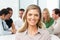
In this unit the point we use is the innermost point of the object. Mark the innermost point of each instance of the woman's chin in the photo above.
(32, 24)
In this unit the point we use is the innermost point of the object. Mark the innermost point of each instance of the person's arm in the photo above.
(56, 28)
(13, 29)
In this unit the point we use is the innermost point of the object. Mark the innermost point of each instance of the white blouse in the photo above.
(41, 35)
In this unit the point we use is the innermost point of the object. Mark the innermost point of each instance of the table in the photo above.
(7, 37)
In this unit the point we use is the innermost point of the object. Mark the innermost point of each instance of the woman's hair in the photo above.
(25, 25)
(9, 9)
(48, 15)
(4, 11)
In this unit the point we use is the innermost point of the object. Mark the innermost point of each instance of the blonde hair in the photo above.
(48, 15)
(25, 25)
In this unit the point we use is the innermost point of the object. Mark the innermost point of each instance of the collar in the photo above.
(39, 31)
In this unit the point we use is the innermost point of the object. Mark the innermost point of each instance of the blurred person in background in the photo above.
(4, 30)
(21, 11)
(9, 21)
(19, 21)
(56, 25)
(47, 19)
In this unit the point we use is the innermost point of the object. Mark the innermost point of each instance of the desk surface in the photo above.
(7, 37)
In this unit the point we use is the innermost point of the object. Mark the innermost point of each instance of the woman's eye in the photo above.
(36, 15)
(30, 14)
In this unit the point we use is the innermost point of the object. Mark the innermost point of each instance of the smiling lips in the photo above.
(32, 21)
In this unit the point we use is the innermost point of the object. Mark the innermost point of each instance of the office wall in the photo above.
(51, 4)
(14, 4)
(25, 3)
(42, 4)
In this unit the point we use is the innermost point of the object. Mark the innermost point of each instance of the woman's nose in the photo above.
(33, 17)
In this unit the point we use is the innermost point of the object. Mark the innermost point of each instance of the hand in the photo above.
(13, 31)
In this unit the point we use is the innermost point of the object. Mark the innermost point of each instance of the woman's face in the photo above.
(7, 17)
(32, 17)
(45, 14)
(11, 12)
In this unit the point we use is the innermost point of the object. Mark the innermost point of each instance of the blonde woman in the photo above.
(33, 28)
(46, 18)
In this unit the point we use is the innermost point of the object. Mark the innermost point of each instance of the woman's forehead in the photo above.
(33, 11)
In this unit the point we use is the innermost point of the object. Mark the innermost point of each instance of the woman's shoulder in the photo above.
(43, 31)
(21, 33)
(51, 19)
(18, 36)
(45, 34)
(43, 25)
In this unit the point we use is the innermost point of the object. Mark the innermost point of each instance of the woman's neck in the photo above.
(32, 30)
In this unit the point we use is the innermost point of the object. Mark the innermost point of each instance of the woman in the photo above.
(3, 26)
(47, 19)
(9, 21)
(33, 28)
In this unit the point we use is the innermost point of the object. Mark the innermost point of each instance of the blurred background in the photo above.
(17, 4)
(22, 4)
